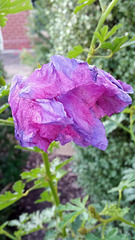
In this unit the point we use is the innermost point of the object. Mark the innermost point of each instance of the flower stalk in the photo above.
(49, 178)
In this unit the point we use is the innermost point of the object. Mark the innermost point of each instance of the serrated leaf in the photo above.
(123, 185)
(104, 31)
(64, 163)
(33, 174)
(115, 45)
(112, 31)
(77, 51)
(19, 187)
(4, 107)
(129, 43)
(112, 210)
(84, 3)
(98, 36)
(8, 199)
(10, 7)
(53, 145)
(68, 218)
(45, 196)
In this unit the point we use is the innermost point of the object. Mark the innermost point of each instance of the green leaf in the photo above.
(129, 43)
(77, 51)
(19, 187)
(103, 35)
(4, 91)
(104, 31)
(90, 236)
(10, 7)
(29, 223)
(112, 31)
(34, 174)
(76, 207)
(68, 218)
(9, 198)
(115, 45)
(112, 210)
(99, 37)
(4, 107)
(123, 185)
(64, 163)
(84, 3)
(45, 196)
(53, 145)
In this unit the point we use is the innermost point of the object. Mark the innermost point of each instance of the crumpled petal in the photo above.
(64, 101)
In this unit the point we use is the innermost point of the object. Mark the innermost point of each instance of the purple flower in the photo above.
(64, 101)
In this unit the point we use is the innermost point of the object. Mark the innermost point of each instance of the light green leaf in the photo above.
(84, 3)
(10, 7)
(4, 107)
(45, 196)
(53, 145)
(64, 163)
(4, 91)
(112, 210)
(98, 36)
(129, 43)
(115, 45)
(9, 198)
(33, 174)
(77, 51)
(104, 31)
(19, 187)
(112, 31)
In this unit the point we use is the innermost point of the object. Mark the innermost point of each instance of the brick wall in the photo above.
(15, 31)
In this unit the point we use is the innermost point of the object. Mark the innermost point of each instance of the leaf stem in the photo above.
(100, 24)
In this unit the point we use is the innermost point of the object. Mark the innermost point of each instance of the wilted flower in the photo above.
(64, 101)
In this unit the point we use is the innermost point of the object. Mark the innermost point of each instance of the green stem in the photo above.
(2, 81)
(49, 178)
(9, 235)
(125, 221)
(6, 122)
(100, 24)
(98, 56)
